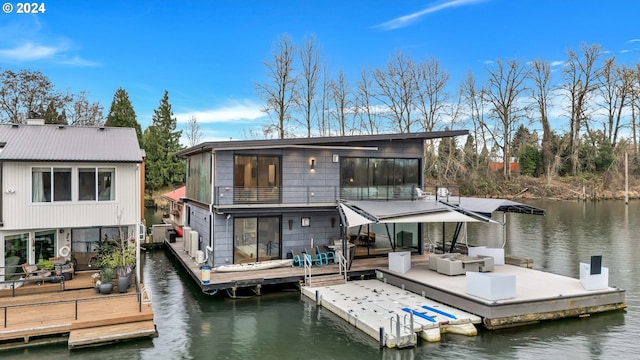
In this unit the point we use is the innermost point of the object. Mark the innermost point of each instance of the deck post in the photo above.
(381, 337)
(76, 302)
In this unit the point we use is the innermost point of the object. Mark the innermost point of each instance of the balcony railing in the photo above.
(228, 195)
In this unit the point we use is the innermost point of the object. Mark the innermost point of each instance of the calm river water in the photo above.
(287, 326)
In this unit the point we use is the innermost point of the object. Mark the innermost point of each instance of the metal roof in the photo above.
(68, 143)
(316, 141)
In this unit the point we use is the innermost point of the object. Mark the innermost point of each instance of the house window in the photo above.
(15, 254)
(44, 245)
(96, 183)
(256, 239)
(378, 178)
(51, 181)
(256, 179)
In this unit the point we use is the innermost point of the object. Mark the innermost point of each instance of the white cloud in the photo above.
(78, 61)
(29, 51)
(237, 111)
(407, 20)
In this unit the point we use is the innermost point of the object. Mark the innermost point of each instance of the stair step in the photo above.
(326, 280)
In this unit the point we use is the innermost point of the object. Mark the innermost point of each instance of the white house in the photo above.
(64, 189)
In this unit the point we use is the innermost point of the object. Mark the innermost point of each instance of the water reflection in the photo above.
(285, 325)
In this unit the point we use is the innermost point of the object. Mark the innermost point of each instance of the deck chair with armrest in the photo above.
(314, 256)
(298, 258)
(327, 254)
(31, 272)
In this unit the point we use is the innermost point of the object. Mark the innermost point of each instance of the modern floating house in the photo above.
(256, 200)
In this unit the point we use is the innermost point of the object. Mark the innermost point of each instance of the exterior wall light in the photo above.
(313, 165)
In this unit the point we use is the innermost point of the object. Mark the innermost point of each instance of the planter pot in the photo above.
(123, 283)
(105, 288)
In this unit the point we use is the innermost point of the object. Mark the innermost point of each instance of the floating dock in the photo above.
(538, 296)
(392, 316)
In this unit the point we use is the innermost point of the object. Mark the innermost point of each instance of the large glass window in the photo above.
(86, 184)
(256, 179)
(48, 181)
(15, 254)
(96, 183)
(379, 239)
(256, 239)
(378, 178)
(45, 245)
(106, 184)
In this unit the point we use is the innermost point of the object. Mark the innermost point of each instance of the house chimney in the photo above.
(34, 119)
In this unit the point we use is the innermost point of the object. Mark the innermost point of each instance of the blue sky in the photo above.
(209, 54)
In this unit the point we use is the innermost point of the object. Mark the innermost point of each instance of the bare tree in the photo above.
(27, 91)
(615, 86)
(86, 113)
(279, 92)
(193, 131)
(635, 106)
(505, 84)
(310, 65)
(367, 110)
(540, 91)
(431, 98)
(397, 90)
(340, 94)
(474, 100)
(580, 74)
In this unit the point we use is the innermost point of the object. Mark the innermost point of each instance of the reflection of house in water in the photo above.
(175, 210)
(256, 200)
(64, 187)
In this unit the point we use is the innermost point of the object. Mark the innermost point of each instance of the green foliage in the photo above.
(161, 142)
(530, 161)
(121, 113)
(45, 265)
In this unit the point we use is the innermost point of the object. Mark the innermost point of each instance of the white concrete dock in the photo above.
(372, 305)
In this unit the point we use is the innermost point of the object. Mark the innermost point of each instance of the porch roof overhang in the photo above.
(358, 213)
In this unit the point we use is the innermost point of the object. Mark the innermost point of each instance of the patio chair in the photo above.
(31, 272)
(421, 195)
(314, 256)
(326, 253)
(298, 258)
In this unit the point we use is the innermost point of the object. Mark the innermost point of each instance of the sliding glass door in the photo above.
(256, 239)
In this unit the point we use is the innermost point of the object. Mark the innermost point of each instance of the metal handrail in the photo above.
(342, 266)
(307, 269)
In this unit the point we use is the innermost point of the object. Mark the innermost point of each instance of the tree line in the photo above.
(587, 112)
(30, 94)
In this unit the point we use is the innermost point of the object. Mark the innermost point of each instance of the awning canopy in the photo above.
(488, 206)
(358, 213)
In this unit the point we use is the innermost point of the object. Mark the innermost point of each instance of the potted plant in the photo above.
(120, 256)
(105, 286)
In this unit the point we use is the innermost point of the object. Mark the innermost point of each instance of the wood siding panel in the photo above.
(20, 213)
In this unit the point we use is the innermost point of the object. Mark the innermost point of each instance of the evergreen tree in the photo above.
(161, 141)
(121, 113)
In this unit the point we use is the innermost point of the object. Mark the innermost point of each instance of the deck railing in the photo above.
(76, 303)
(229, 195)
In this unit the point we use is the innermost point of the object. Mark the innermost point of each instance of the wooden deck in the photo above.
(39, 312)
(254, 280)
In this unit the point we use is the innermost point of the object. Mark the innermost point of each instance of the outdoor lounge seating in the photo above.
(327, 254)
(314, 257)
(458, 264)
(63, 268)
(31, 272)
(298, 258)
